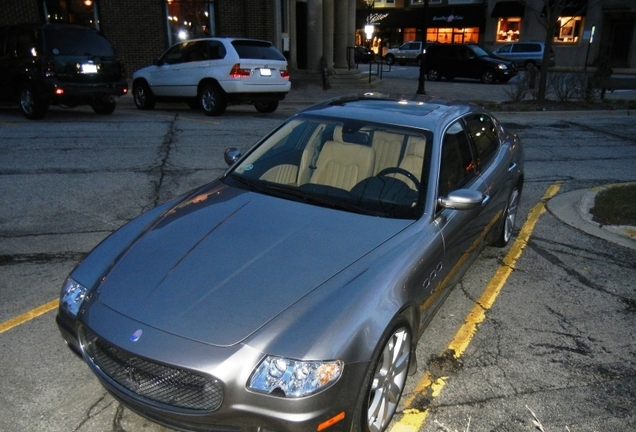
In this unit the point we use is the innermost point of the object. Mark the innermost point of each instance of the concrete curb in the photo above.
(573, 208)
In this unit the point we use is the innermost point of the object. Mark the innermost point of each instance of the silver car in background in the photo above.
(289, 294)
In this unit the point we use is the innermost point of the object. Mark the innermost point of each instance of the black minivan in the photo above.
(467, 61)
(59, 64)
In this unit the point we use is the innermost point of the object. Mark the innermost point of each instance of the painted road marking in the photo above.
(28, 316)
(412, 418)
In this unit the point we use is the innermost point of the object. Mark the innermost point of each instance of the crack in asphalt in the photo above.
(94, 410)
(607, 132)
(41, 258)
(163, 155)
(557, 262)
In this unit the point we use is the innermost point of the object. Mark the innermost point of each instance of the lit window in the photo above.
(508, 29)
(189, 19)
(568, 29)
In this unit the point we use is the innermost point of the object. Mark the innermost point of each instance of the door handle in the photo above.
(485, 200)
(512, 167)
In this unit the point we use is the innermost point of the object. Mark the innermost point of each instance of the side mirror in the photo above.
(231, 156)
(463, 199)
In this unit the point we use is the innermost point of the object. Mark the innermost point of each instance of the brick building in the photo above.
(141, 30)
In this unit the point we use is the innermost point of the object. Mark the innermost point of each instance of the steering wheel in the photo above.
(397, 170)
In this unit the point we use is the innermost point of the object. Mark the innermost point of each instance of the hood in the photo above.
(220, 265)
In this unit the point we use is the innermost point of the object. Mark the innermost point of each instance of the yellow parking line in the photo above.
(412, 418)
(33, 313)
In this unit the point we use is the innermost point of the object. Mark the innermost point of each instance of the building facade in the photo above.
(587, 31)
(315, 33)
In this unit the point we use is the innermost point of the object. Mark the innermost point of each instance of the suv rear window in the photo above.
(76, 42)
(257, 50)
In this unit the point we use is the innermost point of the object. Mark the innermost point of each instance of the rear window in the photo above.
(76, 42)
(257, 50)
(526, 47)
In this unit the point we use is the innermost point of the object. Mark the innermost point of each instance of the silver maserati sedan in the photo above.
(289, 294)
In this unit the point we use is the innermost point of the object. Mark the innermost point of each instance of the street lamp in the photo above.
(420, 82)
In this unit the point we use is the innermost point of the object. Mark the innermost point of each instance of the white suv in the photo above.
(211, 73)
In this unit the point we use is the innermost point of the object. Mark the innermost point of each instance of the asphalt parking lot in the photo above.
(545, 327)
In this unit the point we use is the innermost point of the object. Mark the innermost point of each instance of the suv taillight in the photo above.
(238, 72)
(284, 73)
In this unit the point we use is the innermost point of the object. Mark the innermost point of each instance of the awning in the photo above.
(505, 9)
(459, 16)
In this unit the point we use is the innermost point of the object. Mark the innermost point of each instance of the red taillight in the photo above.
(284, 73)
(238, 72)
(59, 91)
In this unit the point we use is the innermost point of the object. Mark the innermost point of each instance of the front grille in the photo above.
(150, 380)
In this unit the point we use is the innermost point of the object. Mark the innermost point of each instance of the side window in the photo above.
(457, 165)
(26, 44)
(504, 49)
(482, 131)
(215, 50)
(174, 55)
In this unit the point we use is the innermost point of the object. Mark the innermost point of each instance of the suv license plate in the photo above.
(88, 68)
(266, 72)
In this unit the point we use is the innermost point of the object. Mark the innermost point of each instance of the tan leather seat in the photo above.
(413, 159)
(342, 164)
(282, 174)
(387, 147)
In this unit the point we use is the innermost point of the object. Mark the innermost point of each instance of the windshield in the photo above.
(76, 42)
(354, 165)
(480, 51)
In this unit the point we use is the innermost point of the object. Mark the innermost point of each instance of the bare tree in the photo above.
(548, 13)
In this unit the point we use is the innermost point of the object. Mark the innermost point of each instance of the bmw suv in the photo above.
(211, 73)
(58, 64)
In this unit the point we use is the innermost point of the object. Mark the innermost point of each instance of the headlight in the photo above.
(293, 377)
(72, 297)
(502, 66)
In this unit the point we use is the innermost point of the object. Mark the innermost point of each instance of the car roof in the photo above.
(416, 111)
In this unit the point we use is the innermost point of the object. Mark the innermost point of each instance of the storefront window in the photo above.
(508, 29)
(453, 35)
(82, 12)
(189, 19)
(568, 29)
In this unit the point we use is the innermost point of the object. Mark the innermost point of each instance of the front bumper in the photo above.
(241, 410)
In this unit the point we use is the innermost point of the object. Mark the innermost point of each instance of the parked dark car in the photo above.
(467, 61)
(58, 64)
(363, 54)
(289, 294)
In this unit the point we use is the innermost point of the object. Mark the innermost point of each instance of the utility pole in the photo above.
(420, 82)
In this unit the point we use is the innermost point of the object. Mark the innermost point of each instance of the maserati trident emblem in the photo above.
(136, 335)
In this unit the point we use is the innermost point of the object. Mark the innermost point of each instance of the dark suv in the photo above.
(58, 64)
(467, 61)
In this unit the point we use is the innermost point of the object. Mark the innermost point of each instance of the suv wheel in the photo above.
(389, 59)
(266, 107)
(143, 96)
(212, 100)
(103, 107)
(529, 63)
(487, 77)
(32, 106)
(433, 75)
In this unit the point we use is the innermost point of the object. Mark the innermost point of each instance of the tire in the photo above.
(32, 106)
(212, 100)
(266, 107)
(487, 77)
(389, 59)
(529, 63)
(144, 97)
(103, 107)
(433, 75)
(386, 379)
(509, 218)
